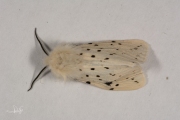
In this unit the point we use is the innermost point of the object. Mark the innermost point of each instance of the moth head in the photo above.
(54, 62)
(46, 49)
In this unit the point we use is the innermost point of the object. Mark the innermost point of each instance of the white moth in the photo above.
(110, 65)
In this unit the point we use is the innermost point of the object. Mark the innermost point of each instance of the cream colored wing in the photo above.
(127, 50)
(113, 65)
(123, 79)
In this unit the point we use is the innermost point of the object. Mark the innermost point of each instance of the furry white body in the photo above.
(111, 65)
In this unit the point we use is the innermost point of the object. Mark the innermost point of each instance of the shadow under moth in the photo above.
(110, 65)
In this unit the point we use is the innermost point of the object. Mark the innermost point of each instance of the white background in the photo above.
(155, 21)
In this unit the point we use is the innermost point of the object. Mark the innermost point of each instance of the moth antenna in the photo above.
(36, 78)
(46, 49)
(47, 72)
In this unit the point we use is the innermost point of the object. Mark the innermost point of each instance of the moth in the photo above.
(110, 65)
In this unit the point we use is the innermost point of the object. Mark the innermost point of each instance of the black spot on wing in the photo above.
(93, 56)
(108, 83)
(106, 67)
(111, 89)
(112, 74)
(92, 68)
(97, 76)
(112, 54)
(88, 82)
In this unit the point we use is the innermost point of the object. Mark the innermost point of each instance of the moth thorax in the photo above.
(64, 63)
(55, 62)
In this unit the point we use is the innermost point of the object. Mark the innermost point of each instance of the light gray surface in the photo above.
(156, 22)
